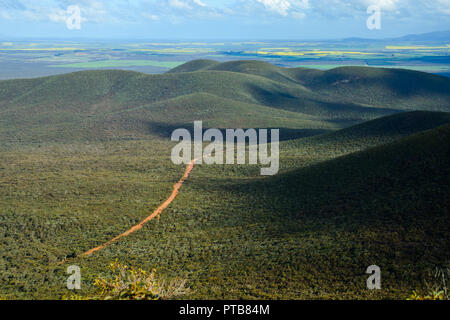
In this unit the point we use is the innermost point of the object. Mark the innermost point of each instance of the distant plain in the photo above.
(24, 59)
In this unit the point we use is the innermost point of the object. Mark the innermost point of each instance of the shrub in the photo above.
(437, 287)
(131, 283)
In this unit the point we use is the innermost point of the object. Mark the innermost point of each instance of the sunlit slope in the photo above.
(126, 88)
(160, 118)
(377, 87)
(218, 112)
(258, 68)
(105, 104)
(194, 65)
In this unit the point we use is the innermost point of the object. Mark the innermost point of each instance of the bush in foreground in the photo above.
(131, 283)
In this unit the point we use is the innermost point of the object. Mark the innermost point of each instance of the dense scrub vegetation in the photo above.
(85, 156)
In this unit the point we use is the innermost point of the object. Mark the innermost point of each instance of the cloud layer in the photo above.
(235, 13)
(94, 10)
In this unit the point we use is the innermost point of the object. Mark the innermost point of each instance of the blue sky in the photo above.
(220, 19)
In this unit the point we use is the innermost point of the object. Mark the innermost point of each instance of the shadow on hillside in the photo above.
(409, 83)
(165, 130)
(398, 82)
(400, 182)
(319, 106)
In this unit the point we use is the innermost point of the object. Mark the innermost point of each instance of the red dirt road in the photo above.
(155, 213)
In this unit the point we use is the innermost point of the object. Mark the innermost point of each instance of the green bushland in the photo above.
(85, 156)
(105, 105)
(396, 89)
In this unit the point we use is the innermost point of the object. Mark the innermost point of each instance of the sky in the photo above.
(218, 19)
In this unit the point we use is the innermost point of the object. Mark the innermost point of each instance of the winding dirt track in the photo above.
(155, 213)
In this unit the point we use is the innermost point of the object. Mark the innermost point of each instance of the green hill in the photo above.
(380, 87)
(367, 134)
(195, 65)
(421, 156)
(101, 105)
(258, 68)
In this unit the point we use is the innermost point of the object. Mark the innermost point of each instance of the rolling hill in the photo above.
(102, 105)
(378, 87)
(368, 134)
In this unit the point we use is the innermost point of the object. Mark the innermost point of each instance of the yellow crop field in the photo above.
(314, 52)
(417, 47)
(176, 50)
(41, 49)
(280, 53)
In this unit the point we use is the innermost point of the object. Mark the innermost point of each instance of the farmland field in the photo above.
(42, 58)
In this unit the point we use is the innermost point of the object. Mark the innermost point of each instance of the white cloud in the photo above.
(100, 11)
(444, 6)
(58, 15)
(179, 4)
(293, 8)
(199, 3)
(383, 4)
(5, 15)
(152, 17)
(93, 11)
(280, 6)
